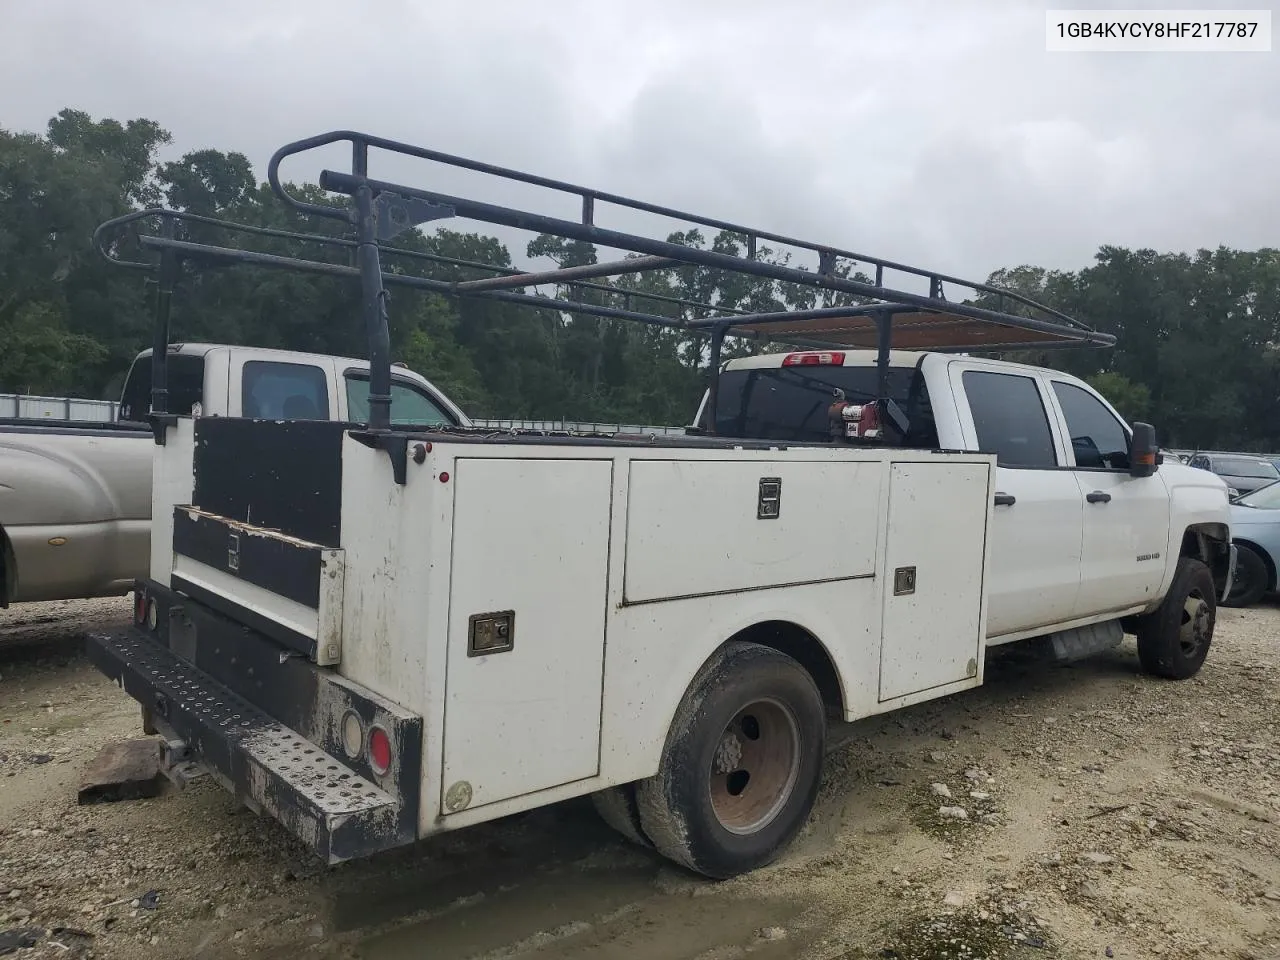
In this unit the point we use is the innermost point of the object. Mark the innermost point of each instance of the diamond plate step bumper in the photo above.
(271, 768)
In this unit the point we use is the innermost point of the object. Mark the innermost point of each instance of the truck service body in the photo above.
(639, 559)
(379, 633)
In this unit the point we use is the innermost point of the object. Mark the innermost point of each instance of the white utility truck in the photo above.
(380, 633)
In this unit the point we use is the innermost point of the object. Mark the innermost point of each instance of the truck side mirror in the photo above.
(1144, 455)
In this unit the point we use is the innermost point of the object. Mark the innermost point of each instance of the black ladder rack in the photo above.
(379, 210)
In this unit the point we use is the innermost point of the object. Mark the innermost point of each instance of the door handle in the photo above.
(1098, 497)
(1004, 499)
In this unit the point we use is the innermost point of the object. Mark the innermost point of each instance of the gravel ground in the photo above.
(1058, 812)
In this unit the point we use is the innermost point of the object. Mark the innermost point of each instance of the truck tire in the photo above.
(741, 766)
(1174, 639)
(1251, 580)
(617, 807)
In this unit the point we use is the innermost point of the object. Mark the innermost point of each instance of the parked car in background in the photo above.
(1243, 473)
(1255, 530)
(75, 496)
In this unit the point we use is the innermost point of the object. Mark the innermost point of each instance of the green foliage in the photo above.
(1196, 336)
(1199, 335)
(40, 352)
(208, 181)
(432, 349)
(1132, 400)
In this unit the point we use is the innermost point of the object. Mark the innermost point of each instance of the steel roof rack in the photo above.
(174, 251)
(885, 317)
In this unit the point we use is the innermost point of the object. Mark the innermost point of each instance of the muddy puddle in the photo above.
(602, 913)
(554, 883)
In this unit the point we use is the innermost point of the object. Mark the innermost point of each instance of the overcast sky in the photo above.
(939, 133)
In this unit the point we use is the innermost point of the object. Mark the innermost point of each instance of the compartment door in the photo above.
(526, 627)
(933, 576)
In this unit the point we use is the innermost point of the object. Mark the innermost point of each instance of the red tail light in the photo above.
(819, 358)
(379, 751)
(139, 607)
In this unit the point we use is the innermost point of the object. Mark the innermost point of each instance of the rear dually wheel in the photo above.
(742, 764)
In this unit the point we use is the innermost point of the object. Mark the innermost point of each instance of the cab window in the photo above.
(790, 403)
(1010, 419)
(409, 404)
(270, 390)
(185, 378)
(1098, 440)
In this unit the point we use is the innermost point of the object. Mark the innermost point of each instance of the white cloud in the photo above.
(936, 132)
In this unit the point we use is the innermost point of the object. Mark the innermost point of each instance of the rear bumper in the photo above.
(297, 773)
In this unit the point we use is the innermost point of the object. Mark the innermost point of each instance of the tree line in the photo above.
(1197, 333)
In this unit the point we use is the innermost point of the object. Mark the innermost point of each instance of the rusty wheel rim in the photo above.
(755, 766)
(1193, 631)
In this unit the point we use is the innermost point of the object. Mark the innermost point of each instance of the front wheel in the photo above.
(1251, 580)
(1174, 639)
(742, 764)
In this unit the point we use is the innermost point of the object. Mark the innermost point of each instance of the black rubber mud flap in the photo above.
(617, 807)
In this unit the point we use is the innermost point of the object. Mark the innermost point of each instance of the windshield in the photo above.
(790, 403)
(1240, 467)
(409, 404)
(1264, 498)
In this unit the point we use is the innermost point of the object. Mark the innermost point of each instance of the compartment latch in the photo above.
(769, 502)
(491, 633)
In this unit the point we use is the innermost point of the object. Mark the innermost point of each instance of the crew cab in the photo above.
(1076, 540)
(75, 497)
